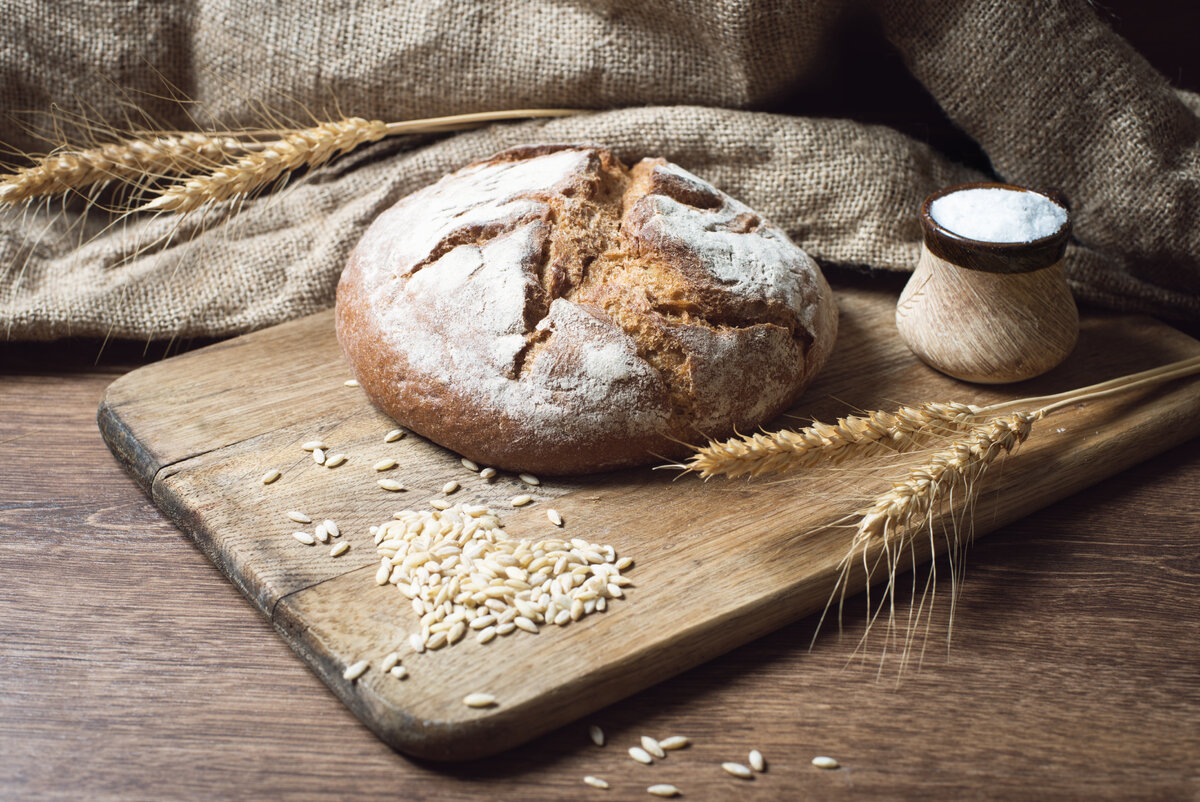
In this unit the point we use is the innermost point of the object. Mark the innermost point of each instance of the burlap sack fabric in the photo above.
(1051, 94)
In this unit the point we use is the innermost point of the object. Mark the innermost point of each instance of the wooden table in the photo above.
(131, 669)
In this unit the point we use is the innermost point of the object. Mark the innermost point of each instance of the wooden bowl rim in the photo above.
(994, 257)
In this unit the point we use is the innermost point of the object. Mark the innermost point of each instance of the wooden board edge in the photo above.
(137, 460)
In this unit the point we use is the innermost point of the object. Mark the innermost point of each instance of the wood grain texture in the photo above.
(718, 564)
(134, 671)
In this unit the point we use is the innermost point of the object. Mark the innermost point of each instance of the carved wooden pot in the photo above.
(988, 312)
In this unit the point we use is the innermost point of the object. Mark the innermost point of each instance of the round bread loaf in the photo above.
(550, 310)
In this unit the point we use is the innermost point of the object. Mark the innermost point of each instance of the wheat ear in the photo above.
(204, 158)
(912, 501)
(787, 450)
(308, 147)
(133, 160)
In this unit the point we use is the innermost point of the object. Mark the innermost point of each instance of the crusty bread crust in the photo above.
(549, 310)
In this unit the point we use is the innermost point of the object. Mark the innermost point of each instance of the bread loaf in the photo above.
(550, 310)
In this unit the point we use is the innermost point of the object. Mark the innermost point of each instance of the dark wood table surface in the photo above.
(131, 669)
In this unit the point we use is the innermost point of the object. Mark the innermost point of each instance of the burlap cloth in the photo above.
(1053, 97)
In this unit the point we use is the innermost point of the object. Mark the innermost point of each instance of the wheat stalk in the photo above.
(133, 160)
(204, 159)
(858, 435)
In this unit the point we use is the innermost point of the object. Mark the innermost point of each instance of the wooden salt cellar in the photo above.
(988, 312)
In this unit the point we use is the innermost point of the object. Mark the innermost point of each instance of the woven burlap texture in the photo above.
(1053, 97)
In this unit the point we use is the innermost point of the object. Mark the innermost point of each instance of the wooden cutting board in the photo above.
(717, 563)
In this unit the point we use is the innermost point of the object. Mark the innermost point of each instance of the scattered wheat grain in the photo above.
(390, 485)
(554, 516)
(470, 465)
(305, 538)
(270, 476)
(640, 755)
(596, 734)
(738, 770)
(399, 672)
(653, 747)
(318, 456)
(479, 700)
(529, 479)
(393, 435)
(756, 760)
(332, 528)
(824, 762)
(595, 782)
(450, 487)
(356, 670)
(321, 533)
(299, 517)
(390, 661)
(487, 474)
(334, 460)
(339, 549)
(384, 465)
(674, 742)
(663, 789)
(313, 445)
(350, 383)
(521, 500)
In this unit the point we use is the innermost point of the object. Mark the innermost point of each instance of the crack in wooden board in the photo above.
(718, 563)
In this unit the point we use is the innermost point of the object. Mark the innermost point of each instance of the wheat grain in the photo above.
(674, 742)
(390, 485)
(521, 500)
(450, 487)
(596, 734)
(470, 465)
(332, 528)
(529, 479)
(595, 782)
(757, 762)
(487, 474)
(663, 789)
(786, 450)
(640, 755)
(299, 517)
(134, 161)
(554, 517)
(318, 456)
(393, 435)
(313, 445)
(321, 533)
(738, 770)
(399, 672)
(653, 747)
(305, 538)
(825, 762)
(479, 700)
(356, 670)
(350, 383)
(334, 460)
(270, 476)
(339, 549)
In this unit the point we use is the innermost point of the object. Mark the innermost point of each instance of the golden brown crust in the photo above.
(550, 310)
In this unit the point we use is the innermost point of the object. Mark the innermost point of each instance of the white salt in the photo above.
(998, 215)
